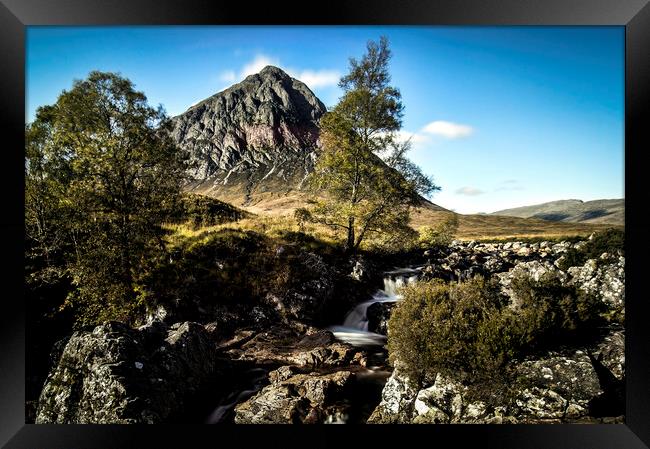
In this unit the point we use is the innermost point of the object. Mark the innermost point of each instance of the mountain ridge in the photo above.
(605, 211)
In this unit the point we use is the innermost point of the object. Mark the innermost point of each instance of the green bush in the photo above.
(440, 235)
(549, 312)
(607, 241)
(468, 330)
(450, 328)
(201, 210)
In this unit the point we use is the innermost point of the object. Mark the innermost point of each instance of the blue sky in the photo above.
(499, 116)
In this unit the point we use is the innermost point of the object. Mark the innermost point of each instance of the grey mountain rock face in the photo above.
(257, 136)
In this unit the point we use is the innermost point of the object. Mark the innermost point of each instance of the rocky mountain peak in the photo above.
(259, 135)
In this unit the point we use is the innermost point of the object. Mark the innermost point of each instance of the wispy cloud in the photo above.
(509, 184)
(258, 63)
(227, 76)
(312, 78)
(448, 130)
(317, 78)
(469, 191)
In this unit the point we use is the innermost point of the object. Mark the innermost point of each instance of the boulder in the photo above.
(397, 401)
(378, 314)
(604, 278)
(297, 398)
(114, 374)
(282, 346)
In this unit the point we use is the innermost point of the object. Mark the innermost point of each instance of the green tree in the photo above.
(102, 175)
(369, 183)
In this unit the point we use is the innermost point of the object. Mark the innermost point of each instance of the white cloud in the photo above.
(317, 78)
(227, 76)
(448, 130)
(469, 191)
(416, 138)
(258, 63)
(312, 78)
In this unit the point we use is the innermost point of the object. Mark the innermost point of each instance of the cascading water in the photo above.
(355, 326)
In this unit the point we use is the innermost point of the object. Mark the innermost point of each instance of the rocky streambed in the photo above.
(291, 371)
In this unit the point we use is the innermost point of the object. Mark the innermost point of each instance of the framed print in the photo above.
(386, 213)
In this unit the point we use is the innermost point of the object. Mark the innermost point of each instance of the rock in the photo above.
(115, 374)
(397, 401)
(309, 296)
(611, 353)
(282, 346)
(300, 398)
(533, 269)
(558, 386)
(606, 281)
(378, 315)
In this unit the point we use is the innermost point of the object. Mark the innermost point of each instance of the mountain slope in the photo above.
(254, 143)
(610, 211)
(257, 136)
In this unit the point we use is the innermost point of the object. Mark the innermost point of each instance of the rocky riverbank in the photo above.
(164, 372)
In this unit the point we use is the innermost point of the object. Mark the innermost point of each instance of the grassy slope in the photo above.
(275, 211)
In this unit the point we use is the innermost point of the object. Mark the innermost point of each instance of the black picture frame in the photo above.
(15, 15)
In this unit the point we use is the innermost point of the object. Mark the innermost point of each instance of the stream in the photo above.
(354, 331)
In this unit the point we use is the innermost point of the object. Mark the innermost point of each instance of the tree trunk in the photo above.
(349, 244)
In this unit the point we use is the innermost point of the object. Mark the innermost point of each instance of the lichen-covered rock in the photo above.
(116, 374)
(568, 385)
(557, 386)
(604, 278)
(282, 346)
(397, 401)
(611, 353)
(297, 398)
(534, 269)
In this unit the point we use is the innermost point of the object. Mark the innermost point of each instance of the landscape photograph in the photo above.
(325, 225)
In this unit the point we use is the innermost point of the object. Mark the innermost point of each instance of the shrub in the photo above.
(451, 328)
(549, 312)
(607, 241)
(467, 330)
(302, 216)
(201, 210)
(440, 235)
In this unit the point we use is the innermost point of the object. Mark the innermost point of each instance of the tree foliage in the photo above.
(102, 174)
(369, 182)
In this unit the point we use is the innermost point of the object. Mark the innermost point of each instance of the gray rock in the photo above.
(397, 401)
(300, 398)
(115, 374)
(607, 281)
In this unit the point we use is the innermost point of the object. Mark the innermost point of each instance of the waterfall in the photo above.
(355, 326)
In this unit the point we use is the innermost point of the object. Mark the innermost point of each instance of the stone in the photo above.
(299, 398)
(114, 374)
(397, 401)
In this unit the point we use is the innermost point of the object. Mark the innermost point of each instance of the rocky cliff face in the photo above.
(257, 136)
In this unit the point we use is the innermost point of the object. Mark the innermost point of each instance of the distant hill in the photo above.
(574, 211)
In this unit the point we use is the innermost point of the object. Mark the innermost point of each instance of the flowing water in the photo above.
(354, 329)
